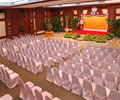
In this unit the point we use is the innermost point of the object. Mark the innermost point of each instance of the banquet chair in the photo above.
(88, 93)
(57, 77)
(115, 69)
(11, 79)
(94, 64)
(114, 95)
(78, 70)
(56, 98)
(102, 48)
(100, 92)
(110, 49)
(87, 73)
(30, 93)
(77, 59)
(69, 67)
(23, 91)
(38, 94)
(76, 85)
(50, 75)
(47, 94)
(86, 61)
(100, 57)
(98, 77)
(110, 81)
(104, 66)
(6, 97)
(66, 82)
(109, 60)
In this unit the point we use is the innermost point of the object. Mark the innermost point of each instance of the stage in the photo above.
(90, 32)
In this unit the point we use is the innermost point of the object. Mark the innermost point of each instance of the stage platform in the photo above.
(90, 32)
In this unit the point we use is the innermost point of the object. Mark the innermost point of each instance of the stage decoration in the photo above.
(61, 18)
(105, 11)
(85, 11)
(117, 17)
(117, 10)
(67, 19)
(92, 24)
(84, 32)
(75, 17)
(61, 12)
(94, 11)
(95, 22)
(75, 12)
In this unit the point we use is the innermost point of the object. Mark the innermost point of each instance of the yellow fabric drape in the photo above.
(95, 22)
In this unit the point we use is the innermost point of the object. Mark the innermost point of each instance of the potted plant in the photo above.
(74, 24)
(48, 28)
(114, 27)
(56, 23)
(21, 30)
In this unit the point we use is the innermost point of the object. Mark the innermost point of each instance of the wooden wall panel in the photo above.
(16, 18)
(40, 19)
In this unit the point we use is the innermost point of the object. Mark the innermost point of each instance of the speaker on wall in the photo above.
(1, 11)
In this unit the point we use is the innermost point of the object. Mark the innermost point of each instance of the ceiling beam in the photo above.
(51, 3)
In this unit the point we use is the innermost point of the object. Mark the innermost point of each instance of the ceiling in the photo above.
(51, 3)
(4, 3)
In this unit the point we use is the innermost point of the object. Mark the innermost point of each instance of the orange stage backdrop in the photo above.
(95, 22)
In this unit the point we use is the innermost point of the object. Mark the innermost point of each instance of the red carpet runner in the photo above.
(90, 32)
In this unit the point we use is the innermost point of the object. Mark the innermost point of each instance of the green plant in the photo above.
(114, 27)
(87, 38)
(68, 35)
(75, 36)
(74, 24)
(56, 22)
(48, 25)
(111, 35)
(71, 35)
(21, 30)
(99, 39)
(67, 19)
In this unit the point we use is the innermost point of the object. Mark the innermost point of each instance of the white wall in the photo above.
(2, 25)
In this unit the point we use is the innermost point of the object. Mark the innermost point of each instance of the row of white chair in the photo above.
(31, 64)
(33, 53)
(89, 72)
(91, 63)
(8, 77)
(102, 56)
(28, 91)
(96, 49)
(82, 87)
